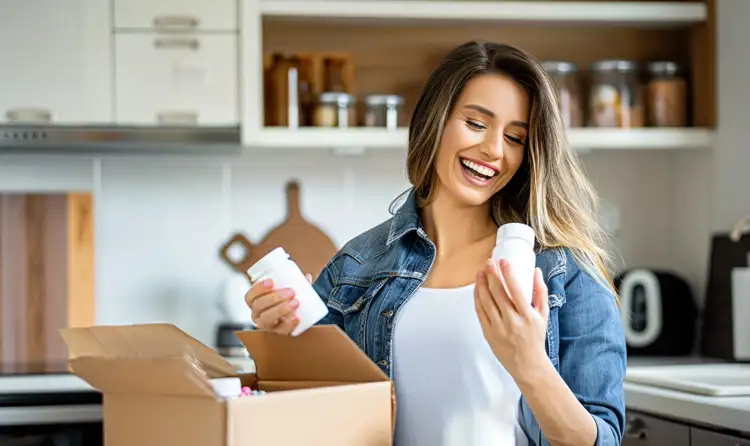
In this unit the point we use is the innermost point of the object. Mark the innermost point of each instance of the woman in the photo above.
(471, 363)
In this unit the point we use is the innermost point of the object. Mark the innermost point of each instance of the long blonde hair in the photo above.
(550, 191)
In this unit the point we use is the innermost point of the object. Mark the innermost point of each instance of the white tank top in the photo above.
(450, 388)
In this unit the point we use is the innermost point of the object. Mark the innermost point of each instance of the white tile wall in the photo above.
(161, 220)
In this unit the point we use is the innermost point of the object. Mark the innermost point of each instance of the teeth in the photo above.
(482, 170)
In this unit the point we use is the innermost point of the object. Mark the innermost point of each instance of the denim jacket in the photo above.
(369, 279)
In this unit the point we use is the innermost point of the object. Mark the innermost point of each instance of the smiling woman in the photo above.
(473, 364)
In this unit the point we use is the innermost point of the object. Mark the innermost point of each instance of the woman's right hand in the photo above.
(273, 309)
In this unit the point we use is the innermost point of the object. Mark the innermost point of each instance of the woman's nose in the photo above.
(492, 146)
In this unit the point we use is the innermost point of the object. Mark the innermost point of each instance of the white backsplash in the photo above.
(160, 220)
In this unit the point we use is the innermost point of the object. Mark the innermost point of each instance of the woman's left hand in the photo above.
(515, 330)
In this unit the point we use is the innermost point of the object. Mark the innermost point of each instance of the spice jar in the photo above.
(382, 110)
(666, 95)
(335, 109)
(616, 98)
(565, 77)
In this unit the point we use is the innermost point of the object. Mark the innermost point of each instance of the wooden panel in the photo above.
(46, 273)
(80, 260)
(398, 58)
(35, 280)
(703, 69)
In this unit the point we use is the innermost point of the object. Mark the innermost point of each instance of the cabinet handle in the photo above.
(165, 43)
(635, 428)
(177, 117)
(175, 21)
(29, 114)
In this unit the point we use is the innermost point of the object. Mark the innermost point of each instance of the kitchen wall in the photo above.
(160, 220)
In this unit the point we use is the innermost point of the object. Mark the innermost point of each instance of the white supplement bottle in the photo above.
(227, 387)
(515, 243)
(285, 273)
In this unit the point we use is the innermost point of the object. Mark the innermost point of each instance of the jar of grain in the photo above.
(383, 110)
(335, 109)
(666, 95)
(616, 98)
(565, 77)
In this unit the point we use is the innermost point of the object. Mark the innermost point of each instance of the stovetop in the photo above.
(34, 368)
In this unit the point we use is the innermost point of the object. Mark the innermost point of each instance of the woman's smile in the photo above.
(476, 173)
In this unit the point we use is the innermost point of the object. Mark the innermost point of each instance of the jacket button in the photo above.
(384, 363)
(388, 313)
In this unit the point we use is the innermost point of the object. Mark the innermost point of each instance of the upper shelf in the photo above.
(356, 140)
(601, 12)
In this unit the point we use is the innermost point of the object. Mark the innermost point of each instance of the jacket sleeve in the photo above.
(324, 285)
(592, 351)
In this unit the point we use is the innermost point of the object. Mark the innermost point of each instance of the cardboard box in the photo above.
(323, 390)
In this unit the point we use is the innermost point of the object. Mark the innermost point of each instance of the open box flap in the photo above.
(322, 353)
(143, 341)
(177, 376)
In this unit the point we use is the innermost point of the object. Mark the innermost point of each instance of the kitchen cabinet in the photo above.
(643, 429)
(703, 437)
(646, 430)
(199, 15)
(185, 78)
(56, 61)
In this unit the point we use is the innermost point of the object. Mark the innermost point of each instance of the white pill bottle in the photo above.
(515, 243)
(277, 266)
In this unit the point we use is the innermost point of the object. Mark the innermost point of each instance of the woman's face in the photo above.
(483, 141)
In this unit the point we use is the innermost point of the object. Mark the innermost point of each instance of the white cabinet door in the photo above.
(199, 15)
(176, 79)
(56, 61)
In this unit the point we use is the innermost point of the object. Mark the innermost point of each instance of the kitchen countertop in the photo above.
(730, 412)
(47, 399)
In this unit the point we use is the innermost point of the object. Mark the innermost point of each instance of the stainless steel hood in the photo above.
(43, 137)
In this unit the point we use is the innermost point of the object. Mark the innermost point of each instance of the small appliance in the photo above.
(658, 312)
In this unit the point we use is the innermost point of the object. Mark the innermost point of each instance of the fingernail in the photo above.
(503, 263)
(286, 293)
(294, 304)
(268, 283)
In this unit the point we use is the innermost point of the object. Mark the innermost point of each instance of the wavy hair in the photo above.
(550, 191)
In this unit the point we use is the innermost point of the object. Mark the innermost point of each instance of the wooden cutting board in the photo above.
(306, 244)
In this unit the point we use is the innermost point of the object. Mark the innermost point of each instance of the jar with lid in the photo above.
(616, 98)
(382, 110)
(666, 95)
(335, 109)
(565, 76)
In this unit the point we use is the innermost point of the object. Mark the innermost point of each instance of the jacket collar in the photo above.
(406, 219)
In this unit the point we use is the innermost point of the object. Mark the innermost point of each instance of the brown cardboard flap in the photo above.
(162, 376)
(322, 353)
(143, 341)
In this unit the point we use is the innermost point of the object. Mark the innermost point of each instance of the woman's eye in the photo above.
(515, 140)
(474, 125)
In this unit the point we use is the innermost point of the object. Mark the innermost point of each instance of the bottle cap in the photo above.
(267, 262)
(515, 230)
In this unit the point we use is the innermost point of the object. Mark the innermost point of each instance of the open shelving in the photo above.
(396, 43)
(600, 13)
(360, 139)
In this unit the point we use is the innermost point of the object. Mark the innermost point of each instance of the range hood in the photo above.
(42, 137)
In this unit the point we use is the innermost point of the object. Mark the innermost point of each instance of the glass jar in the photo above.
(666, 95)
(382, 110)
(616, 98)
(565, 76)
(335, 109)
